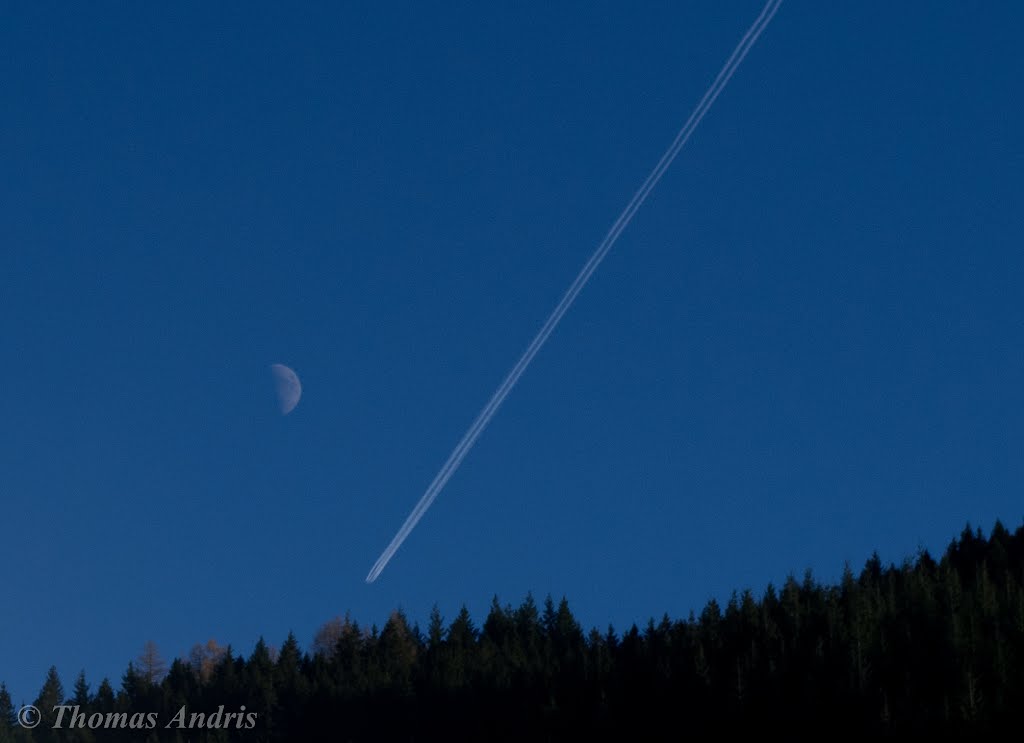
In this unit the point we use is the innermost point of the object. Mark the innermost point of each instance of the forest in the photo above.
(926, 646)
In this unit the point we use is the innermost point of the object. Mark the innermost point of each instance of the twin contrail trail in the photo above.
(470, 437)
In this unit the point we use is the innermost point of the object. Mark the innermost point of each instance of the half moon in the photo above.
(287, 386)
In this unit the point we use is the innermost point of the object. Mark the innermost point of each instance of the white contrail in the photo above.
(470, 437)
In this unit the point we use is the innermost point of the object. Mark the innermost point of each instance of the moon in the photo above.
(287, 386)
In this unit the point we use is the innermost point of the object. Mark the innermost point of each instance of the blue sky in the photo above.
(807, 346)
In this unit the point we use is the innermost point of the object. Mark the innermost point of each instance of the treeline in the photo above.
(928, 646)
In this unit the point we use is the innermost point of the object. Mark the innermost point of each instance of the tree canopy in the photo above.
(926, 646)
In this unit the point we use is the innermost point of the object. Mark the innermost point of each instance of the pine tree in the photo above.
(498, 626)
(398, 653)
(500, 655)
(7, 716)
(287, 671)
(462, 633)
(50, 696)
(435, 629)
(529, 636)
(136, 693)
(456, 661)
(260, 684)
(104, 701)
(81, 691)
(180, 687)
(81, 699)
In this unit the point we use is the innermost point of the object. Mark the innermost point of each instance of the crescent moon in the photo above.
(287, 386)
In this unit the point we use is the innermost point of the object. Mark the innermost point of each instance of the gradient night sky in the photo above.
(807, 346)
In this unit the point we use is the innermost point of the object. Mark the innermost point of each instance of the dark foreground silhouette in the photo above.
(926, 646)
